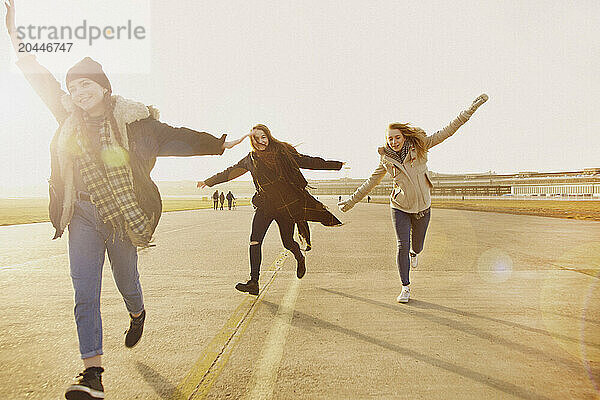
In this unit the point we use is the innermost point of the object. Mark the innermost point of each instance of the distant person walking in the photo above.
(215, 197)
(222, 199)
(100, 188)
(368, 199)
(404, 157)
(281, 196)
(230, 199)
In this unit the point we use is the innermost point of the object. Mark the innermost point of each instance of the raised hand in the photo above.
(11, 27)
(482, 98)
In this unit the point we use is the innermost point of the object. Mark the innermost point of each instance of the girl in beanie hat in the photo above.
(100, 188)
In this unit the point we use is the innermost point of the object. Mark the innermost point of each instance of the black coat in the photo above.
(281, 193)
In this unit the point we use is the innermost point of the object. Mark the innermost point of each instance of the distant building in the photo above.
(584, 183)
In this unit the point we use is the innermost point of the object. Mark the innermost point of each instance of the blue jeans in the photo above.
(404, 223)
(89, 240)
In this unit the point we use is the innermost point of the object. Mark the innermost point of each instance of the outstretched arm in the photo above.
(233, 143)
(181, 142)
(453, 126)
(364, 189)
(309, 162)
(229, 174)
(40, 79)
(11, 26)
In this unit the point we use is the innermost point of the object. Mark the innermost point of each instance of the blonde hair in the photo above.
(415, 135)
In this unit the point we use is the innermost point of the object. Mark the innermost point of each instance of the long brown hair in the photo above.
(274, 144)
(415, 135)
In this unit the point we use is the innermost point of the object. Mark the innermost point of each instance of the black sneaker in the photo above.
(301, 267)
(88, 386)
(248, 287)
(136, 327)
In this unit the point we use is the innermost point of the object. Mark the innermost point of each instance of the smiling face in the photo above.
(259, 139)
(395, 139)
(88, 95)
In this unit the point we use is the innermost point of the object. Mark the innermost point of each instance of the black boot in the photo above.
(136, 327)
(249, 287)
(301, 267)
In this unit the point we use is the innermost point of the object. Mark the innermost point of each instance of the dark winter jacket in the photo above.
(280, 192)
(148, 138)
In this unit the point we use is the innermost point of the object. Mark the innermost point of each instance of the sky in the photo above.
(329, 76)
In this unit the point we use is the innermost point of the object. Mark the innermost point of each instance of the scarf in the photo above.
(108, 177)
(110, 183)
(399, 156)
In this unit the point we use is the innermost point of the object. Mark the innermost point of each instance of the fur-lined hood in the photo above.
(127, 108)
(126, 111)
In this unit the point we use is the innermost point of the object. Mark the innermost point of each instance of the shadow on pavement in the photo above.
(306, 321)
(410, 309)
(160, 385)
(432, 306)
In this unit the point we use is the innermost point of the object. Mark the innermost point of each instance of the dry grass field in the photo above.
(587, 210)
(30, 210)
(584, 210)
(26, 211)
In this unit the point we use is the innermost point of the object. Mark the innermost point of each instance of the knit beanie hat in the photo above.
(90, 69)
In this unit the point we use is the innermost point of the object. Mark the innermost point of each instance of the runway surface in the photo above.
(503, 306)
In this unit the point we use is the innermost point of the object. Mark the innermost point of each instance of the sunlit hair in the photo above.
(414, 134)
(274, 144)
(275, 147)
(266, 131)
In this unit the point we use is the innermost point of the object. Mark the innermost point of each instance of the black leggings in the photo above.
(260, 224)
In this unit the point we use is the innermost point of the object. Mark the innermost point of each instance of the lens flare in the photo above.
(495, 266)
(570, 306)
(115, 156)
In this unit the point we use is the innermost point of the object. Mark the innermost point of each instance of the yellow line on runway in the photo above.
(263, 380)
(207, 368)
